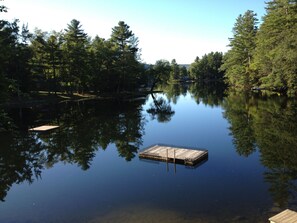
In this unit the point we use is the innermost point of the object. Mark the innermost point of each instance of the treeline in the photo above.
(68, 60)
(71, 61)
(264, 57)
(207, 68)
(204, 70)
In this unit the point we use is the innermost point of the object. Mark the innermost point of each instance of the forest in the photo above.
(264, 57)
(70, 61)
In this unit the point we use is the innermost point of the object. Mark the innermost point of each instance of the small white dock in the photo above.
(287, 216)
(44, 128)
(174, 154)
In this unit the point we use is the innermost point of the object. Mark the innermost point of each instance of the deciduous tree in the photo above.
(160, 72)
(207, 68)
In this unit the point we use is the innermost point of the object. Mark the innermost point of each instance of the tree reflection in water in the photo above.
(21, 159)
(210, 94)
(269, 124)
(238, 113)
(84, 129)
(266, 124)
(160, 109)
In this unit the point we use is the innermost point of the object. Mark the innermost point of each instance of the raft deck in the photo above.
(44, 128)
(171, 154)
(287, 216)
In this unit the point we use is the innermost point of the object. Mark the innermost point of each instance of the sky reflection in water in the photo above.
(88, 170)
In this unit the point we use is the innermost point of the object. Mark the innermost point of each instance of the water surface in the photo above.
(88, 170)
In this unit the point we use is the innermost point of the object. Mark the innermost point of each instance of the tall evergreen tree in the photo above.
(54, 57)
(75, 55)
(39, 60)
(46, 59)
(102, 59)
(237, 61)
(14, 57)
(127, 51)
(276, 52)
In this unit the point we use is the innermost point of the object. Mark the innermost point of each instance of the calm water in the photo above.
(89, 171)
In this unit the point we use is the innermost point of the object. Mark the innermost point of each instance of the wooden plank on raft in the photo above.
(287, 216)
(44, 128)
(174, 154)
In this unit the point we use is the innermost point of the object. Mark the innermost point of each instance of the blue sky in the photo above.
(167, 29)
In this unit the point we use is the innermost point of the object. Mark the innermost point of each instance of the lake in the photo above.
(88, 170)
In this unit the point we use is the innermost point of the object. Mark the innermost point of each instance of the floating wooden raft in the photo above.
(287, 216)
(174, 154)
(44, 128)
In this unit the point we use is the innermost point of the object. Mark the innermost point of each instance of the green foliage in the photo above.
(175, 71)
(276, 52)
(207, 68)
(14, 58)
(126, 50)
(183, 73)
(160, 72)
(70, 61)
(237, 61)
(75, 57)
(46, 61)
(266, 58)
(67, 61)
(124, 40)
(165, 72)
(101, 65)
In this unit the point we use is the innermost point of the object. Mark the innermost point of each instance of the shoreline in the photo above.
(44, 98)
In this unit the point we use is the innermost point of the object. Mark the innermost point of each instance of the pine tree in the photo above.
(75, 55)
(126, 45)
(276, 52)
(102, 60)
(14, 57)
(39, 59)
(237, 61)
